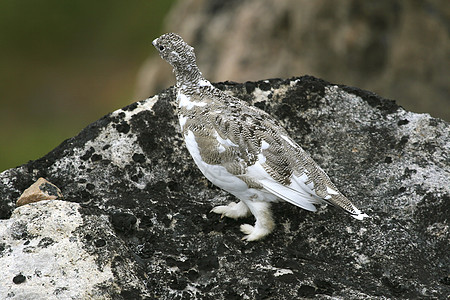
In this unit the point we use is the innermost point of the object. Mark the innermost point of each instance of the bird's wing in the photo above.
(294, 196)
(253, 146)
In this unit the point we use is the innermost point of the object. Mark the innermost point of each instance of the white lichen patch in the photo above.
(363, 259)
(360, 260)
(293, 83)
(144, 105)
(261, 95)
(43, 247)
(122, 148)
(277, 271)
(280, 272)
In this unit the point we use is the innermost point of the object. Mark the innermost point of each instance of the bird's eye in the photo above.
(161, 48)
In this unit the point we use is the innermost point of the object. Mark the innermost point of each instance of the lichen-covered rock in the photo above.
(51, 250)
(131, 172)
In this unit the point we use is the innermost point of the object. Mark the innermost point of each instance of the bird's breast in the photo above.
(216, 173)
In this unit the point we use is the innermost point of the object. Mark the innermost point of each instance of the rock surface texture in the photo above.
(136, 221)
(52, 250)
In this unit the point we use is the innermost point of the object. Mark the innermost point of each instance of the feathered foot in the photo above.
(264, 224)
(233, 210)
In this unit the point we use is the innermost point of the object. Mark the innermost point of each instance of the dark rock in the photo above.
(19, 279)
(123, 222)
(144, 221)
(402, 122)
(306, 291)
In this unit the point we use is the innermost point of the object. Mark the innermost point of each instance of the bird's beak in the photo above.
(155, 41)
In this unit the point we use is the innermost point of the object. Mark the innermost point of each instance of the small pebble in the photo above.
(38, 191)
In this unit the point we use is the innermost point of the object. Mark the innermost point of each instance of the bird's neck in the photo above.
(189, 76)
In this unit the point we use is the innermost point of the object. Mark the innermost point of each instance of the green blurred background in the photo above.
(64, 64)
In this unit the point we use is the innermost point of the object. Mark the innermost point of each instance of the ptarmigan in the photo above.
(242, 149)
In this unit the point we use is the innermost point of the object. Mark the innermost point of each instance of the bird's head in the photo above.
(175, 51)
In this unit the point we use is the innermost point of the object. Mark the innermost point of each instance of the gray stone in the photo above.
(52, 250)
(138, 208)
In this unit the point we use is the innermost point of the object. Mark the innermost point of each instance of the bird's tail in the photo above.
(342, 202)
